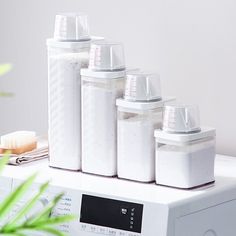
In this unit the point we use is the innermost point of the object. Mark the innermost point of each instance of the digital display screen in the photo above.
(111, 213)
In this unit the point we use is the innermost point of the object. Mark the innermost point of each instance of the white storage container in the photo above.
(185, 153)
(139, 114)
(102, 84)
(68, 52)
(136, 145)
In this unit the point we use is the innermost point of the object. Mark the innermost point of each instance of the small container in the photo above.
(102, 84)
(68, 52)
(185, 152)
(139, 114)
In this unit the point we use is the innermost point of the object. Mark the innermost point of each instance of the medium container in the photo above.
(139, 114)
(102, 84)
(136, 144)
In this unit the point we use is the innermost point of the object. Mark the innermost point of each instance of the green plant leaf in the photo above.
(9, 202)
(56, 220)
(12, 234)
(45, 213)
(26, 208)
(4, 160)
(5, 68)
(6, 94)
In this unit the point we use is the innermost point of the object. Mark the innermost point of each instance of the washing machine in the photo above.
(115, 207)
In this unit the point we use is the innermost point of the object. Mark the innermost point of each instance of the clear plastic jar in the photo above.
(99, 123)
(136, 143)
(185, 160)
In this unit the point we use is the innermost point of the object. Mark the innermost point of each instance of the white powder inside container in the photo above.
(64, 109)
(136, 147)
(99, 132)
(185, 165)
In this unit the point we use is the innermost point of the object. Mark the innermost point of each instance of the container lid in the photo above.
(102, 74)
(72, 44)
(93, 75)
(106, 56)
(181, 118)
(142, 87)
(120, 102)
(71, 27)
(162, 136)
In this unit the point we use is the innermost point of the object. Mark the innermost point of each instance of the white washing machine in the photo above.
(109, 206)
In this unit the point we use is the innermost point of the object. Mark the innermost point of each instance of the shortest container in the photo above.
(184, 158)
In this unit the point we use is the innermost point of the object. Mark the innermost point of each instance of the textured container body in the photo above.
(185, 165)
(99, 124)
(136, 143)
(64, 104)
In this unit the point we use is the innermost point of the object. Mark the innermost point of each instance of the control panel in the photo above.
(94, 230)
(109, 216)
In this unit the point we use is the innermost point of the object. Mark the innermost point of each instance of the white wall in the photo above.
(192, 43)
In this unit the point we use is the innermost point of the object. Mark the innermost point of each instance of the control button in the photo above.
(111, 232)
(122, 234)
(67, 199)
(83, 227)
(133, 234)
(64, 225)
(124, 211)
(102, 230)
(93, 229)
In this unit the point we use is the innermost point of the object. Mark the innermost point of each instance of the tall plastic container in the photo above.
(102, 84)
(139, 114)
(185, 152)
(68, 52)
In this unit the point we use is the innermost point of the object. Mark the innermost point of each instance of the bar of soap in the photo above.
(18, 142)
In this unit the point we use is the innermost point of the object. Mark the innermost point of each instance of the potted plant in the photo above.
(18, 225)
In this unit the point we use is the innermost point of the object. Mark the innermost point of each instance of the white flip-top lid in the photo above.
(121, 102)
(181, 118)
(106, 56)
(71, 26)
(106, 61)
(142, 86)
(162, 136)
(71, 31)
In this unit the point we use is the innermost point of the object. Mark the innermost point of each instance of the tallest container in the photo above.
(68, 52)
